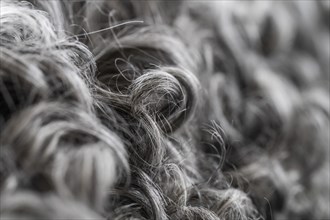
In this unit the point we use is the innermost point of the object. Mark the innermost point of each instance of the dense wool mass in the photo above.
(161, 110)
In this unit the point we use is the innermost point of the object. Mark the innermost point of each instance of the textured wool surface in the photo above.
(161, 110)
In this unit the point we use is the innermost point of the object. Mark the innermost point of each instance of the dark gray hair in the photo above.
(152, 109)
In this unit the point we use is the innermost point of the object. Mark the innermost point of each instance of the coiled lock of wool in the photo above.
(162, 110)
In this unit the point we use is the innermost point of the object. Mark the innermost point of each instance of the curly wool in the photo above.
(215, 110)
